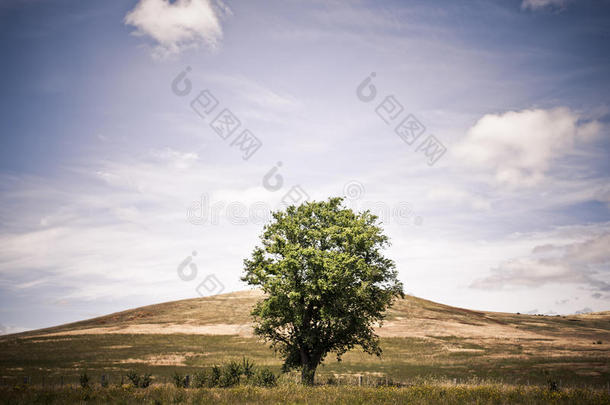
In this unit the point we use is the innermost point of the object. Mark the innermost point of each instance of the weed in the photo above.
(247, 368)
(265, 378)
(230, 375)
(84, 380)
(180, 381)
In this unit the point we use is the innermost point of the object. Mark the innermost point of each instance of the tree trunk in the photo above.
(308, 373)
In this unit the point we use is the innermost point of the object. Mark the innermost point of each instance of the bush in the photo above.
(139, 381)
(208, 378)
(265, 378)
(84, 380)
(551, 381)
(230, 375)
(553, 385)
(201, 379)
(134, 378)
(247, 368)
(215, 376)
(146, 380)
(179, 380)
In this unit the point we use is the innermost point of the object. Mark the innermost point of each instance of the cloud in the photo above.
(455, 196)
(8, 329)
(176, 159)
(574, 263)
(542, 4)
(179, 25)
(562, 302)
(118, 227)
(585, 310)
(257, 100)
(519, 146)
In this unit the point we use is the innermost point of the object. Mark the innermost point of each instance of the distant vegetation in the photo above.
(139, 381)
(228, 375)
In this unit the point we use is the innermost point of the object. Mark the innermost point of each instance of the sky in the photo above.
(144, 143)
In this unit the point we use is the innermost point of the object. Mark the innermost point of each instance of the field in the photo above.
(430, 350)
(293, 394)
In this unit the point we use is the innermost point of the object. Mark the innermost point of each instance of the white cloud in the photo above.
(575, 263)
(119, 227)
(179, 25)
(9, 329)
(519, 146)
(542, 4)
(455, 196)
(176, 159)
(257, 100)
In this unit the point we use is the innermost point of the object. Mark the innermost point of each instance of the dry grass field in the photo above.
(425, 344)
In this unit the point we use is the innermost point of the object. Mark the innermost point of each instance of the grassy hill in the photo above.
(422, 340)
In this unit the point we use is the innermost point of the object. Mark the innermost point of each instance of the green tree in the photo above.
(326, 283)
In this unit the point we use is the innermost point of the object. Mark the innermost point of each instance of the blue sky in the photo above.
(109, 180)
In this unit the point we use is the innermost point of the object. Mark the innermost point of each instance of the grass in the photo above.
(295, 394)
(428, 347)
(405, 359)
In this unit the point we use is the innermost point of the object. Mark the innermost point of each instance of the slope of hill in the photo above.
(419, 338)
(228, 314)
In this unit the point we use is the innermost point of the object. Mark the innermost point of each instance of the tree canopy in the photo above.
(326, 283)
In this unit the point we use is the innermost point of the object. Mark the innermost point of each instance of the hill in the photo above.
(420, 339)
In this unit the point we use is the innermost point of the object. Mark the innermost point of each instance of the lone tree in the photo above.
(326, 283)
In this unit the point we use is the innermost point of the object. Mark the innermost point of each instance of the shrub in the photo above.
(84, 380)
(331, 380)
(247, 368)
(551, 381)
(139, 381)
(228, 375)
(179, 380)
(215, 374)
(134, 378)
(201, 379)
(231, 374)
(146, 380)
(265, 378)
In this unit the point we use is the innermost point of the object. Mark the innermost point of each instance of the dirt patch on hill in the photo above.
(171, 359)
(161, 329)
(419, 328)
